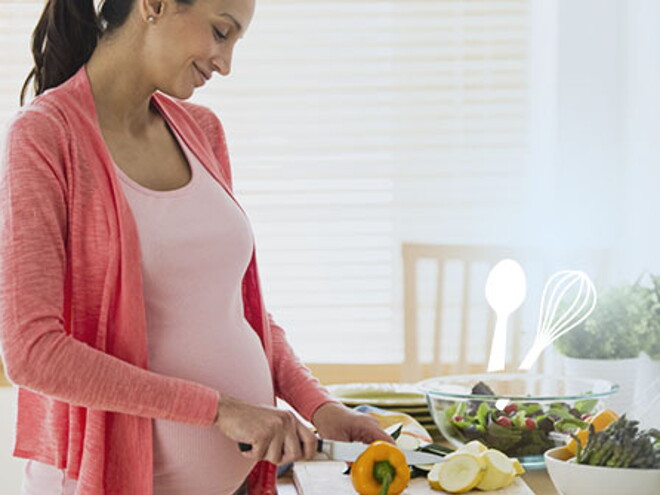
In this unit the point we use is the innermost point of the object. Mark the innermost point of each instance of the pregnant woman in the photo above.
(132, 317)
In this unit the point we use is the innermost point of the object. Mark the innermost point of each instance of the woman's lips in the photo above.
(201, 74)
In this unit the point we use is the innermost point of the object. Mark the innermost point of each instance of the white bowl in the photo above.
(571, 478)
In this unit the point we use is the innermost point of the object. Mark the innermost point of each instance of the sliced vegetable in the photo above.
(517, 467)
(600, 421)
(474, 447)
(459, 473)
(408, 441)
(603, 419)
(499, 473)
(434, 477)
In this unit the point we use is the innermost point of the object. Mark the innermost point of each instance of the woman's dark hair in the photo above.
(66, 35)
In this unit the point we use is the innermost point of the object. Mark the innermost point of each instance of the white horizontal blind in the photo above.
(17, 20)
(352, 126)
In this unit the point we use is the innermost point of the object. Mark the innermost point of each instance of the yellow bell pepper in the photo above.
(380, 470)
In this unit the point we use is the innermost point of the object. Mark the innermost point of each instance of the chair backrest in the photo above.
(458, 302)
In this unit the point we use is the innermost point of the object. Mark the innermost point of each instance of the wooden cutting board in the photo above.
(326, 478)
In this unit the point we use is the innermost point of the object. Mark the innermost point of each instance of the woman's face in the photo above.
(186, 44)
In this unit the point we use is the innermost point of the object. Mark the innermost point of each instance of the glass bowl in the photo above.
(519, 413)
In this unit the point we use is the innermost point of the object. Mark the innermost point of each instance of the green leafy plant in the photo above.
(615, 330)
(651, 338)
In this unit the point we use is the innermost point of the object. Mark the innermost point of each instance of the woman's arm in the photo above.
(294, 383)
(38, 353)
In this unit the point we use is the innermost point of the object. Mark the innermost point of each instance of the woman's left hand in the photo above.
(335, 421)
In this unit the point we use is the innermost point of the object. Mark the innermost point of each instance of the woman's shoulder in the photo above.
(39, 121)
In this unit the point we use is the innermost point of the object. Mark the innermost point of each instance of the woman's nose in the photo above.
(222, 61)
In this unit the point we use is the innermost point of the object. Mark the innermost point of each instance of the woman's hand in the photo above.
(335, 421)
(275, 435)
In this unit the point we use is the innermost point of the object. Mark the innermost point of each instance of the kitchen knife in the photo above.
(349, 451)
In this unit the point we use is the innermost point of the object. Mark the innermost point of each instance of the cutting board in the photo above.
(326, 478)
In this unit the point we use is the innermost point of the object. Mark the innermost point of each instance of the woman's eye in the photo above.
(218, 34)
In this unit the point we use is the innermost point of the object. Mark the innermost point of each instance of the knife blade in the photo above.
(335, 450)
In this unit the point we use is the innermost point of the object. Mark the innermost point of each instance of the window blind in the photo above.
(352, 126)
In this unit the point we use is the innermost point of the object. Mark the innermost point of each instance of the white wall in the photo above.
(639, 244)
(576, 113)
(596, 130)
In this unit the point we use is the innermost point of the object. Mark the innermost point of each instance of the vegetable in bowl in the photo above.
(620, 445)
(520, 414)
(517, 428)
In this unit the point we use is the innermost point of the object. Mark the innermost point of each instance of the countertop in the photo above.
(538, 481)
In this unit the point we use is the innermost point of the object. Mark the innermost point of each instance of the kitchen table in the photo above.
(538, 481)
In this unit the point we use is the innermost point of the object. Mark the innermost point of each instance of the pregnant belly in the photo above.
(193, 459)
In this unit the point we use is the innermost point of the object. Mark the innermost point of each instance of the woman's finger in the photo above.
(292, 448)
(308, 442)
(275, 449)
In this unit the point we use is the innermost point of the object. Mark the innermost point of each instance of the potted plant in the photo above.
(608, 344)
(648, 381)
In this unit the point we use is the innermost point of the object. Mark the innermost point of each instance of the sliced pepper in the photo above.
(380, 470)
(600, 421)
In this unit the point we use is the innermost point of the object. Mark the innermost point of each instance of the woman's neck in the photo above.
(121, 88)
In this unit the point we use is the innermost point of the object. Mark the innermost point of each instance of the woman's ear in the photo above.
(151, 10)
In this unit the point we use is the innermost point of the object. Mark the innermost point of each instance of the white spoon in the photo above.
(506, 288)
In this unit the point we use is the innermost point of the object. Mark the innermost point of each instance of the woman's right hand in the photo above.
(276, 435)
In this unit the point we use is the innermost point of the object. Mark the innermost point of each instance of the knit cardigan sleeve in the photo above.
(293, 381)
(38, 352)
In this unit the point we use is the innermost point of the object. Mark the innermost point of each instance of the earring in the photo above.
(151, 18)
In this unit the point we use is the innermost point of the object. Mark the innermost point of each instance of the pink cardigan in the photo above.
(73, 329)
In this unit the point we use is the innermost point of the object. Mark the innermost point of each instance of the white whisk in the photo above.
(556, 317)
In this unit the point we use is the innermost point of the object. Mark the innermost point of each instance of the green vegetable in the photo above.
(621, 444)
(482, 414)
(477, 420)
(586, 406)
(502, 437)
(519, 419)
(532, 408)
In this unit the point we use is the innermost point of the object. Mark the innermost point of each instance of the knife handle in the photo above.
(246, 447)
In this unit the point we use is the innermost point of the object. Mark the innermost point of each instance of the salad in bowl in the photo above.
(522, 415)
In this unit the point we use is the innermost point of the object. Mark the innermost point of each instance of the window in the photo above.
(353, 126)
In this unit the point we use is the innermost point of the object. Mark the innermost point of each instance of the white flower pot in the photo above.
(648, 393)
(623, 372)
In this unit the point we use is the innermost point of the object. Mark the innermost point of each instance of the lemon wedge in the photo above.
(458, 473)
(500, 471)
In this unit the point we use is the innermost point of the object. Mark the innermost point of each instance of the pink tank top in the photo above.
(196, 244)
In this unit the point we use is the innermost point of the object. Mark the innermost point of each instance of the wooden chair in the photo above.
(473, 263)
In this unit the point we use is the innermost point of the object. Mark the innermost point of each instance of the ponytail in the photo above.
(62, 42)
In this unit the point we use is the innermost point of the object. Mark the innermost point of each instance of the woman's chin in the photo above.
(181, 93)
